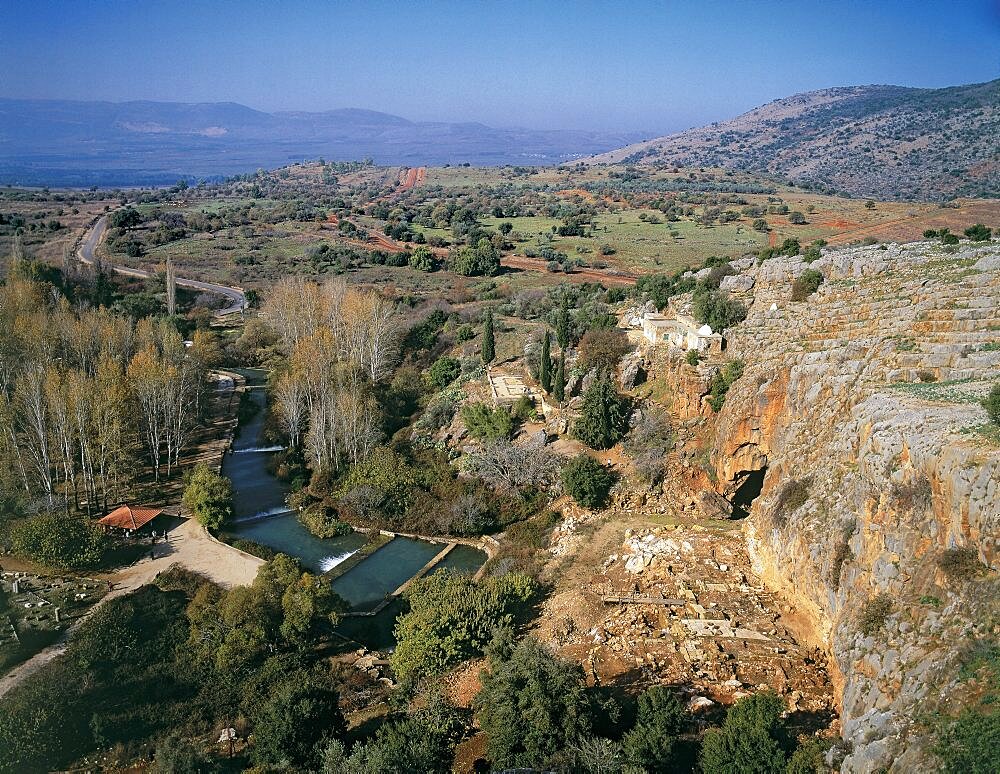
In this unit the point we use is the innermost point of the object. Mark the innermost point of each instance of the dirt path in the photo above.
(237, 301)
(188, 545)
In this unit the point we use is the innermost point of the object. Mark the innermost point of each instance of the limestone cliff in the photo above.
(862, 404)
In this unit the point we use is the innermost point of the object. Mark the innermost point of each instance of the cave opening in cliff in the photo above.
(748, 490)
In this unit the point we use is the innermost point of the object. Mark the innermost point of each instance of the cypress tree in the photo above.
(562, 325)
(545, 365)
(489, 342)
(559, 386)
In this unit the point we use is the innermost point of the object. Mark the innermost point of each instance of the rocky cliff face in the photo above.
(862, 405)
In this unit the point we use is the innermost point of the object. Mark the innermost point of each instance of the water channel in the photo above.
(261, 515)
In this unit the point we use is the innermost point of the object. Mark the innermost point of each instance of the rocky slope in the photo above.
(886, 142)
(862, 406)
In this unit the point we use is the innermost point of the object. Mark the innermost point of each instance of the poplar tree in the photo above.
(489, 342)
(545, 364)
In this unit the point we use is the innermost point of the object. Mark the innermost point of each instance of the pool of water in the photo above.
(370, 581)
(286, 535)
(463, 559)
(261, 515)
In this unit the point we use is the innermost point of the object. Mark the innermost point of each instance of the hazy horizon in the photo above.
(655, 68)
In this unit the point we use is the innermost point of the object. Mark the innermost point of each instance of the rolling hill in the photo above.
(55, 142)
(886, 142)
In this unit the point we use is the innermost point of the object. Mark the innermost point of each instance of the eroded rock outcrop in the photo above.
(862, 404)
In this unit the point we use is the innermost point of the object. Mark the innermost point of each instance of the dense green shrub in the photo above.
(532, 706)
(722, 381)
(452, 617)
(422, 259)
(421, 741)
(489, 338)
(806, 284)
(979, 233)
(717, 310)
(487, 424)
(587, 481)
(380, 485)
(444, 371)
(59, 541)
(209, 496)
(652, 742)
(603, 416)
(294, 723)
(750, 741)
(321, 521)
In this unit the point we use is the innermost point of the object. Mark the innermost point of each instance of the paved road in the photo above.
(237, 301)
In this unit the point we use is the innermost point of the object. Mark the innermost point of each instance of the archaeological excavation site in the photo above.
(829, 532)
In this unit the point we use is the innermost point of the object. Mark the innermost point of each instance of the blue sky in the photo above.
(645, 66)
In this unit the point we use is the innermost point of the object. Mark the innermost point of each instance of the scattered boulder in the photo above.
(738, 283)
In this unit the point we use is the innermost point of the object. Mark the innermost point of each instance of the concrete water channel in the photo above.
(370, 586)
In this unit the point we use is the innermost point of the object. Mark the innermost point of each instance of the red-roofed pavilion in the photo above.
(129, 518)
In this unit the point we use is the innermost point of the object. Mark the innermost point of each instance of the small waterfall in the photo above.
(278, 510)
(330, 562)
(262, 449)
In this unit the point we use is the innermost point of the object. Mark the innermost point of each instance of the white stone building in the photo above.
(680, 331)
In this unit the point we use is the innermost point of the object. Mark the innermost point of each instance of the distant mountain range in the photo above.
(55, 142)
(886, 142)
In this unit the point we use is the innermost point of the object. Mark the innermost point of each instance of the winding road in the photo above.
(237, 301)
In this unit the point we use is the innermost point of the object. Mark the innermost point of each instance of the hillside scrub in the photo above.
(722, 380)
(717, 310)
(488, 424)
(806, 284)
(59, 541)
(587, 481)
(532, 705)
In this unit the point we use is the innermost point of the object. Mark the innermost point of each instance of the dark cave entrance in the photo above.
(747, 490)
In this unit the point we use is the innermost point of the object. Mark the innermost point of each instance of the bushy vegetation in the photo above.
(752, 739)
(649, 443)
(208, 496)
(722, 380)
(488, 424)
(603, 416)
(60, 541)
(444, 371)
(602, 348)
(451, 619)
(587, 481)
(871, 617)
(532, 706)
(717, 310)
(806, 284)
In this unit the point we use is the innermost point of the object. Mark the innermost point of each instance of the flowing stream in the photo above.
(261, 515)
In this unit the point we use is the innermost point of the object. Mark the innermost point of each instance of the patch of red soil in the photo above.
(841, 224)
(587, 195)
(412, 177)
